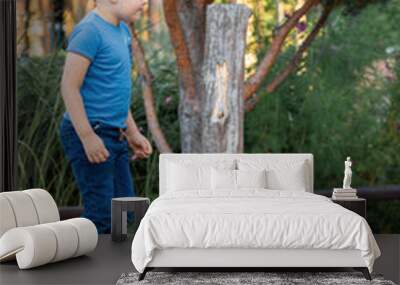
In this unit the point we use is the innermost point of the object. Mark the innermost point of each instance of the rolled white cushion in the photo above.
(67, 240)
(23, 208)
(7, 218)
(33, 245)
(26, 208)
(87, 235)
(40, 244)
(45, 205)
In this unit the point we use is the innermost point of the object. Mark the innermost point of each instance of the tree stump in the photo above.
(223, 73)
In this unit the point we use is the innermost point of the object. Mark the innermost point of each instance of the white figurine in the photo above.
(347, 174)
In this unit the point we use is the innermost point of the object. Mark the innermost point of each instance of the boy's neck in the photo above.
(107, 15)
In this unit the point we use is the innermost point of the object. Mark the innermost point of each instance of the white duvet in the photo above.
(252, 218)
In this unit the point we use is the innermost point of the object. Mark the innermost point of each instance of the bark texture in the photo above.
(223, 72)
(186, 23)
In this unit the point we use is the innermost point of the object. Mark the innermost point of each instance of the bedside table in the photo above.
(119, 218)
(357, 205)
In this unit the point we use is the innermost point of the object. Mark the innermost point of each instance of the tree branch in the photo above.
(294, 62)
(177, 36)
(254, 81)
(151, 115)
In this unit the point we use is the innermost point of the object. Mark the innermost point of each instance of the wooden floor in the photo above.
(110, 260)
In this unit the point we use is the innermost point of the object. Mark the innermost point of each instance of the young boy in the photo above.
(98, 127)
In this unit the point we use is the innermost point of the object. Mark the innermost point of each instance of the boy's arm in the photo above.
(140, 145)
(74, 73)
(131, 128)
(75, 69)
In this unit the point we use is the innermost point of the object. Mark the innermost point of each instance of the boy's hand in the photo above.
(139, 144)
(95, 150)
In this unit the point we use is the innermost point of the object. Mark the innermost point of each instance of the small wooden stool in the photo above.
(119, 209)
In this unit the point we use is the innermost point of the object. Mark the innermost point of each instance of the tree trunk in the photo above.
(223, 72)
(191, 15)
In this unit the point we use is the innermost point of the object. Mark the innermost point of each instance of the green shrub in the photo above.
(330, 110)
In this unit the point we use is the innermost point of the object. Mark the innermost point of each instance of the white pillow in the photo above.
(251, 178)
(228, 179)
(193, 174)
(290, 178)
(281, 175)
(223, 179)
(193, 177)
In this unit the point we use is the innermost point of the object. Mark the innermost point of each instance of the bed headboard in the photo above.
(208, 158)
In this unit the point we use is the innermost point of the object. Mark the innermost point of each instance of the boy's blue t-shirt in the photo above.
(106, 89)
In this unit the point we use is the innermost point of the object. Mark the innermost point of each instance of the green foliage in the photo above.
(340, 105)
(352, 7)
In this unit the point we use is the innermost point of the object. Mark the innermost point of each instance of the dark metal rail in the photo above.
(385, 192)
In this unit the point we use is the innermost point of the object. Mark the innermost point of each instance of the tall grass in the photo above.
(41, 162)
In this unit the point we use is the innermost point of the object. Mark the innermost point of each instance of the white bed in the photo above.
(250, 226)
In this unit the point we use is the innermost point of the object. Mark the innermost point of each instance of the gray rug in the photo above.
(269, 278)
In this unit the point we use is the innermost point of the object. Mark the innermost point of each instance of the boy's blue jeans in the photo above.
(99, 183)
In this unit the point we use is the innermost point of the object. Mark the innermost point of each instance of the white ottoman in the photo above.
(31, 230)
